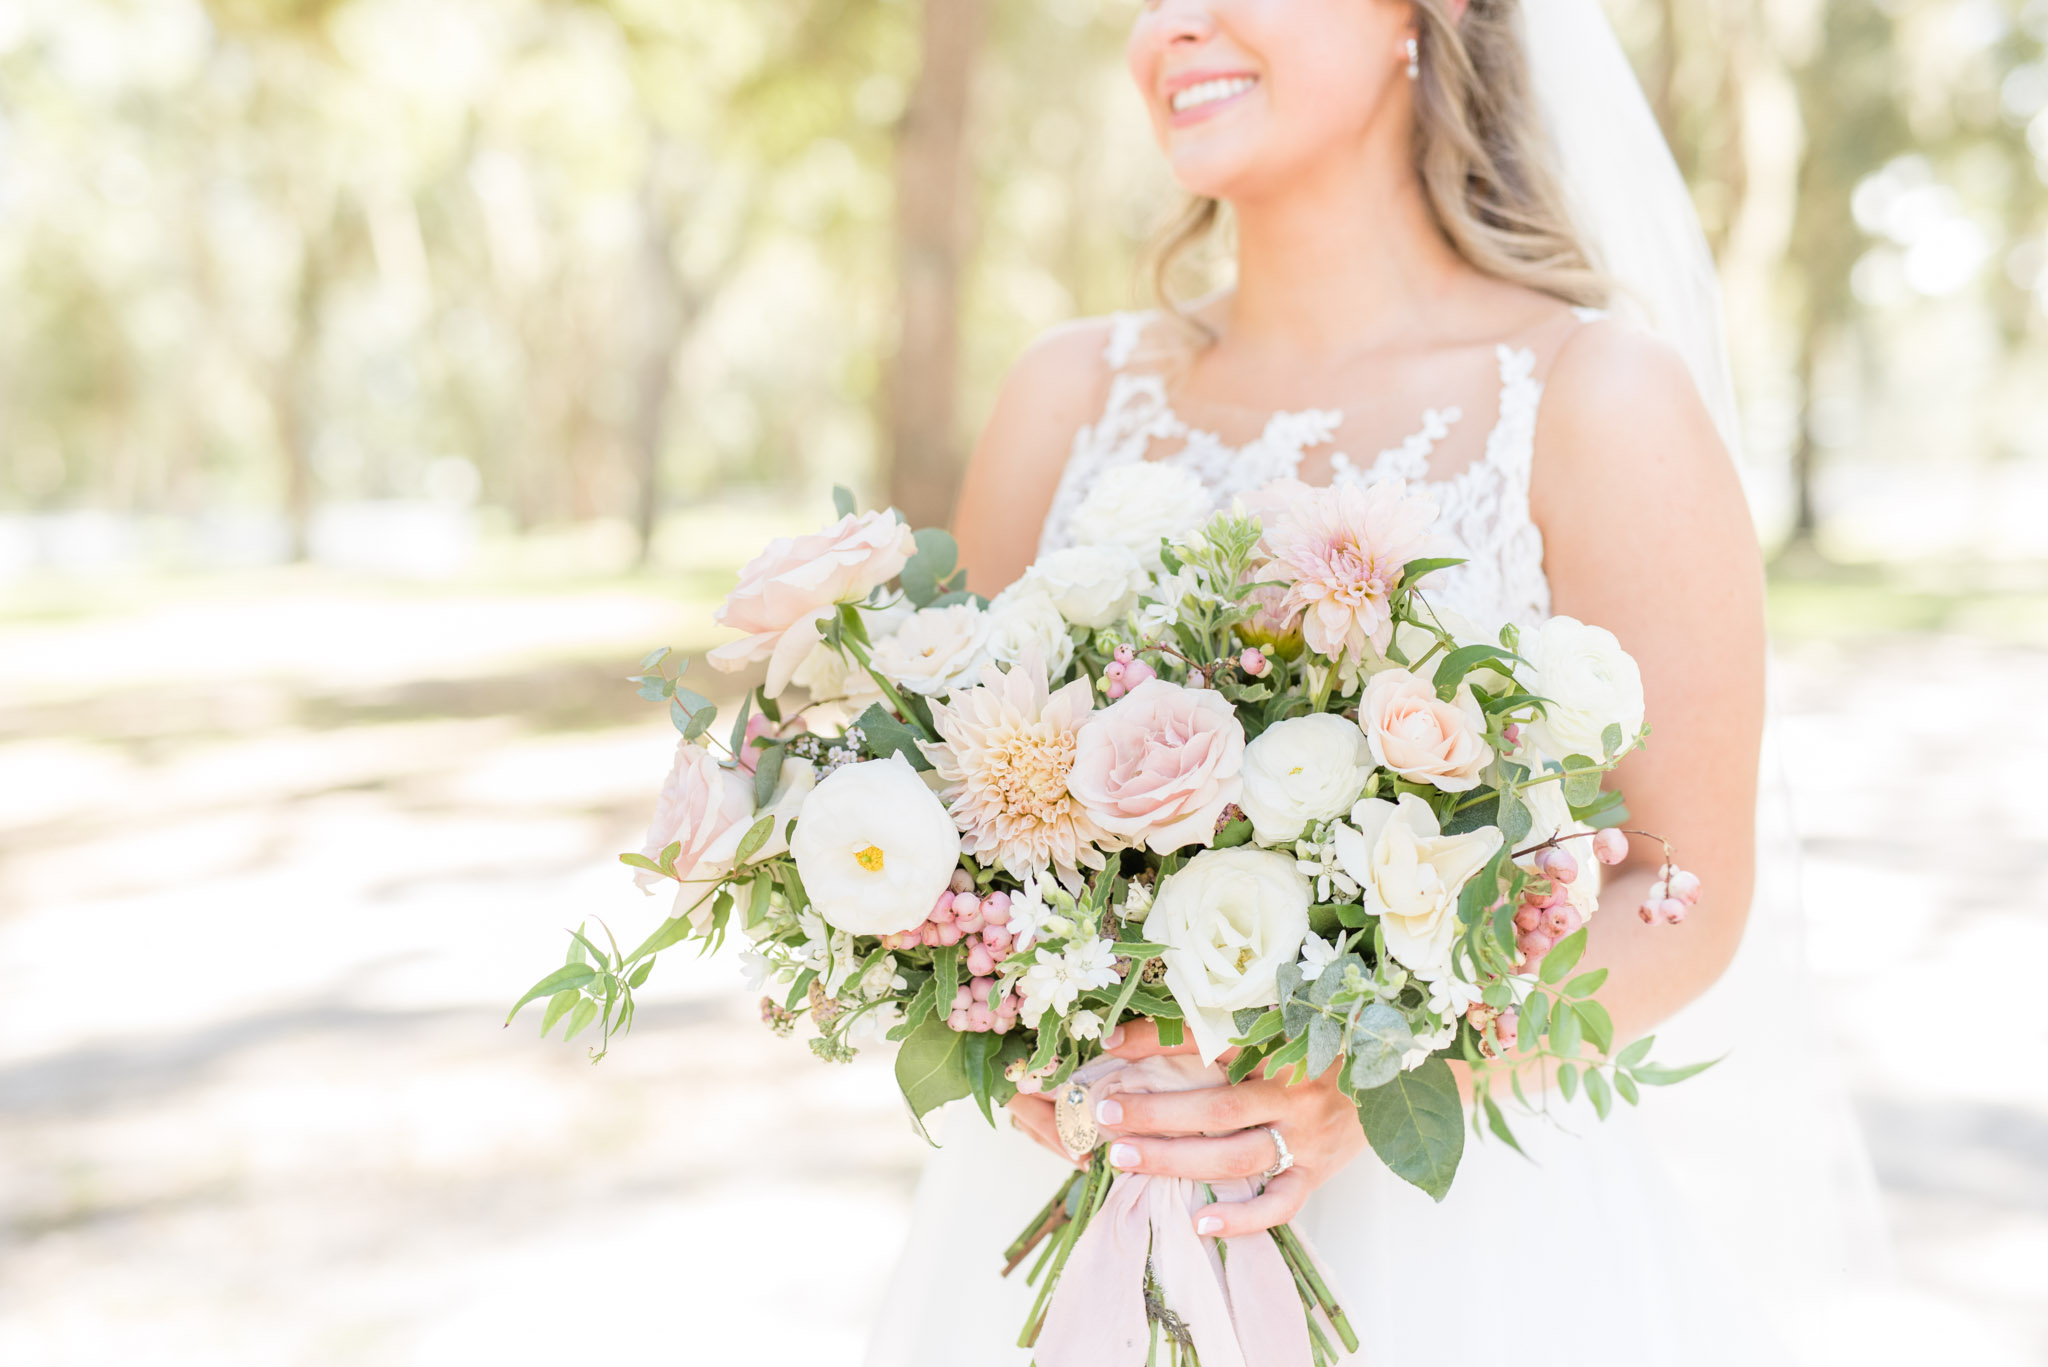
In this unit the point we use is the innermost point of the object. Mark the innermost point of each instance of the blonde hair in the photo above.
(1484, 157)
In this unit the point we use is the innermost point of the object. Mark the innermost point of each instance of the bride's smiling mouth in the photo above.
(1196, 95)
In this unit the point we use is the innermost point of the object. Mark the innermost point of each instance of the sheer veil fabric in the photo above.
(1729, 1219)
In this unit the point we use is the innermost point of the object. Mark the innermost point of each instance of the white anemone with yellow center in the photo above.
(875, 848)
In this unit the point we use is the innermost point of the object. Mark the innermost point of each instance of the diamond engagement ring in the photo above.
(1281, 1163)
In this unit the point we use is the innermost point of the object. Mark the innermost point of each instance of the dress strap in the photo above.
(1126, 330)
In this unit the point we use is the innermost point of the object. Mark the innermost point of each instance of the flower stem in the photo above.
(1296, 1252)
(901, 707)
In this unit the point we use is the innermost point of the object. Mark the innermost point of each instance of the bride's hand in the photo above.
(1221, 1132)
(1031, 1112)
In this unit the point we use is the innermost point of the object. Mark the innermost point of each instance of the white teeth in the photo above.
(1208, 92)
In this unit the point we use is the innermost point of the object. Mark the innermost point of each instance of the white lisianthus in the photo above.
(1410, 874)
(1092, 586)
(1057, 981)
(936, 651)
(1589, 683)
(1229, 919)
(1301, 770)
(875, 847)
(830, 676)
(1024, 623)
(1138, 505)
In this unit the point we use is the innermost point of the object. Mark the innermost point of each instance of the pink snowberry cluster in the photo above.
(1505, 1032)
(1546, 915)
(1674, 893)
(980, 924)
(1125, 672)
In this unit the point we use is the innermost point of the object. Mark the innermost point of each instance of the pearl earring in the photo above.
(1414, 59)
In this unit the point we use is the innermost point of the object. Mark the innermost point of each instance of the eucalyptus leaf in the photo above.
(843, 501)
(1611, 739)
(1416, 1125)
(1325, 1044)
(1514, 819)
(1581, 781)
(1380, 1039)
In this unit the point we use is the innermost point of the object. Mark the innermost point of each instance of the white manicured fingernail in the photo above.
(1113, 1038)
(1123, 1156)
(1208, 1224)
(1109, 1111)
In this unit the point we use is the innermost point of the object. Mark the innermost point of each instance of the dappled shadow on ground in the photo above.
(258, 928)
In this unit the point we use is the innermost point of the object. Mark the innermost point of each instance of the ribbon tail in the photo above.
(1185, 1268)
(1097, 1314)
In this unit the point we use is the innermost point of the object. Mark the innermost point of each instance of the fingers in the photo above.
(1280, 1202)
(1033, 1115)
(1140, 1039)
(1205, 1110)
(1246, 1154)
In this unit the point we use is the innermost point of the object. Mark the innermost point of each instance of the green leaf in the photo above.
(1171, 1033)
(557, 1005)
(1325, 1044)
(925, 576)
(755, 838)
(655, 657)
(673, 931)
(1415, 569)
(914, 1014)
(1535, 1015)
(1379, 1040)
(1656, 1075)
(1462, 661)
(1608, 808)
(1635, 1053)
(887, 736)
(640, 861)
(1586, 984)
(1137, 949)
(1611, 739)
(1568, 1080)
(945, 977)
(979, 1046)
(1564, 1032)
(1292, 1054)
(842, 501)
(1233, 834)
(1264, 1026)
(692, 713)
(1417, 1126)
(1482, 889)
(1599, 1025)
(931, 1068)
(580, 1019)
(640, 974)
(767, 773)
(737, 741)
(1482, 812)
(1514, 819)
(1626, 1085)
(1498, 1123)
(1561, 960)
(1597, 1091)
(1581, 781)
(567, 978)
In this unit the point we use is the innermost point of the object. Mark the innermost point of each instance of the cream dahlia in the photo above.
(1340, 551)
(1005, 753)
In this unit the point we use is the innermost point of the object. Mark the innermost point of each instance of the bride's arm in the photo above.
(1646, 533)
(1054, 390)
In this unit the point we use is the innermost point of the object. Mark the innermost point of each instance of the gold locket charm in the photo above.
(1075, 1120)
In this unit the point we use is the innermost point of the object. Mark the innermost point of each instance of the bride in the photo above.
(1432, 200)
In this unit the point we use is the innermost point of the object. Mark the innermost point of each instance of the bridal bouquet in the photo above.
(1233, 773)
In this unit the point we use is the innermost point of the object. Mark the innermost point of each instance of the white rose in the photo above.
(1411, 874)
(1229, 919)
(875, 847)
(936, 651)
(1023, 622)
(793, 786)
(829, 676)
(1301, 770)
(1138, 505)
(1589, 682)
(1092, 586)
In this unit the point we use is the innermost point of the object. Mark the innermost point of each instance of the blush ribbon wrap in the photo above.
(1241, 1312)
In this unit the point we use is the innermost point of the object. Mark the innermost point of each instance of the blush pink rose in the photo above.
(1158, 767)
(701, 803)
(788, 589)
(1420, 736)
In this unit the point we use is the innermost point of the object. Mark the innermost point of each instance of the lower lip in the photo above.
(1181, 118)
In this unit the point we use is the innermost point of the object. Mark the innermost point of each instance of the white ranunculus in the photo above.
(829, 676)
(1411, 874)
(1589, 683)
(1301, 770)
(875, 847)
(1023, 623)
(936, 651)
(1140, 504)
(1228, 919)
(1092, 586)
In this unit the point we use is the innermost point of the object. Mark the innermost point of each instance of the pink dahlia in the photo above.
(1340, 551)
(1005, 754)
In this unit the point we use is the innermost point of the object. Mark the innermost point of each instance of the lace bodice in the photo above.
(1483, 510)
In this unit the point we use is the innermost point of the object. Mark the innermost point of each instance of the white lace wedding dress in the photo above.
(1691, 1231)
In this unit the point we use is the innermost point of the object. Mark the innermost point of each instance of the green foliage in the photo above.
(1416, 1125)
(932, 1067)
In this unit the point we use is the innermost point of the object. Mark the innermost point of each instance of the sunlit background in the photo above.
(379, 379)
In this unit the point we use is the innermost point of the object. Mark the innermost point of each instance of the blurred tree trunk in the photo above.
(661, 321)
(295, 382)
(933, 195)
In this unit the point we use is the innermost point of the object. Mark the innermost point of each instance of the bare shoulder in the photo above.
(1617, 396)
(1057, 386)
